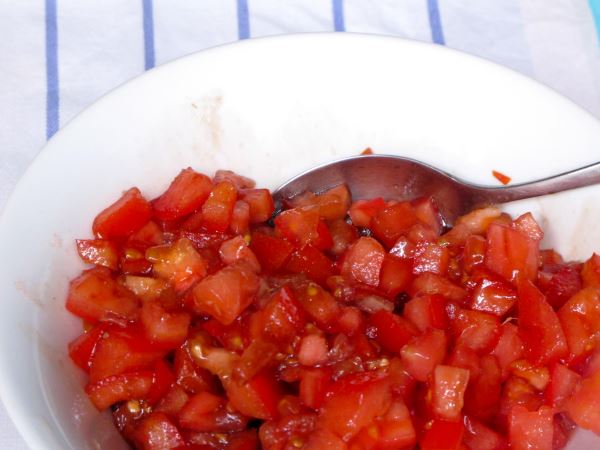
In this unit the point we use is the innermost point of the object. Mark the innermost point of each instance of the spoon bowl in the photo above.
(399, 178)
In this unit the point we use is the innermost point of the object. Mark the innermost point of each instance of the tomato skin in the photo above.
(81, 350)
(95, 296)
(448, 387)
(118, 388)
(363, 261)
(509, 347)
(530, 429)
(354, 401)
(186, 193)
(271, 252)
(442, 435)
(539, 327)
(124, 217)
(580, 320)
(225, 294)
(218, 208)
(260, 203)
(584, 405)
(423, 353)
(391, 331)
(157, 432)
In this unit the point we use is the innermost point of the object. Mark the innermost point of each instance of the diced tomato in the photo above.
(362, 211)
(239, 181)
(423, 353)
(403, 248)
(162, 327)
(314, 384)
(260, 203)
(324, 239)
(147, 236)
(537, 376)
(332, 204)
(530, 429)
(580, 320)
(225, 294)
(590, 272)
(516, 392)
(179, 263)
(192, 378)
(562, 385)
(510, 251)
(244, 440)
(494, 297)
(427, 311)
(448, 388)
(430, 257)
(299, 225)
(258, 397)
(218, 208)
(391, 222)
(146, 288)
(342, 235)
(157, 432)
(467, 359)
(428, 214)
(81, 350)
(395, 275)
(117, 388)
(429, 283)
(391, 331)
(442, 435)
(276, 435)
(194, 413)
(509, 347)
(474, 252)
(539, 328)
(99, 252)
(313, 350)
(483, 392)
(528, 226)
(476, 330)
(282, 317)
(124, 217)
(363, 261)
(351, 321)
(257, 356)
(187, 192)
(163, 380)
(236, 250)
(318, 304)
(475, 222)
(584, 405)
(563, 285)
(96, 296)
(311, 262)
(272, 252)
(240, 218)
(354, 401)
(480, 437)
(323, 438)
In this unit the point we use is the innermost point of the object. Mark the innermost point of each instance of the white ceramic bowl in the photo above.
(267, 108)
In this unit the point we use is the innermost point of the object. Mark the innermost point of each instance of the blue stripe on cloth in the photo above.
(595, 7)
(437, 34)
(338, 15)
(149, 57)
(243, 19)
(52, 98)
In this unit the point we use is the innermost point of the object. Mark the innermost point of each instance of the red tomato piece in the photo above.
(323, 438)
(476, 330)
(530, 429)
(240, 218)
(157, 432)
(509, 347)
(363, 261)
(474, 253)
(539, 328)
(494, 297)
(448, 388)
(245, 440)
(580, 320)
(395, 275)
(475, 222)
(179, 263)
(391, 331)
(276, 435)
(218, 208)
(361, 211)
(318, 304)
(96, 296)
(163, 380)
(124, 217)
(354, 401)
(192, 378)
(258, 397)
(162, 327)
(483, 392)
(237, 250)
(427, 311)
(311, 262)
(351, 321)
(562, 384)
(99, 252)
(81, 350)
(332, 204)
(260, 203)
(423, 353)
(117, 388)
(314, 384)
(563, 285)
(324, 239)
(147, 236)
(584, 405)
(282, 318)
(313, 350)
(186, 193)
(239, 181)
(342, 235)
(225, 294)
(442, 435)
(272, 252)
(510, 251)
(480, 437)
(196, 413)
(257, 356)
(429, 283)
(590, 272)
(430, 257)
(299, 225)
(428, 214)
(392, 222)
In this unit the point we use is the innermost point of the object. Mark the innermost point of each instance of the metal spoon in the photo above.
(398, 178)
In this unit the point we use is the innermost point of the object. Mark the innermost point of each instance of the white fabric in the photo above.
(101, 44)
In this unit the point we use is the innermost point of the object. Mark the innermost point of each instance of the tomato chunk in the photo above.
(116, 388)
(218, 208)
(363, 261)
(530, 429)
(98, 251)
(584, 406)
(449, 385)
(124, 217)
(260, 203)
(580, 320)
(423, 353)
(391, 331)
(442, 435)
(157, 432)
(186, 193)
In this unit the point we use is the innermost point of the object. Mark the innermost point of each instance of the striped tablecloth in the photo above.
(58, 56)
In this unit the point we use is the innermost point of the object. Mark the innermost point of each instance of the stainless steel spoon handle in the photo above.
(577, 178)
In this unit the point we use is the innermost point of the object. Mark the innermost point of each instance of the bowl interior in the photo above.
(269, 109)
